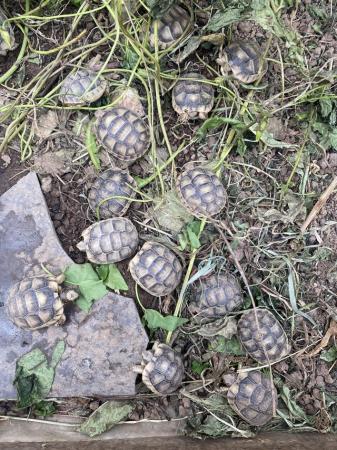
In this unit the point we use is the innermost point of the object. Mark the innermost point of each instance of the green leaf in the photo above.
(229, 346)
(90, 143)
(216, 122)
(34, 377)
(329, 355)
(326, 106)
(44, 408)
(222, 19)
(294, 409)
(112, 278)
(155, 320)
(6, 37)
(193, 238)
(105, 417)
(198, 367)
(88, 282)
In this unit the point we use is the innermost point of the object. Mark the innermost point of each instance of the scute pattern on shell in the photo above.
(217, 295)
(171, 27)
(253, 397)
(115, 183)
(123, 134)
(81, 87)
(156, 269)
(262, 336)
(244, 59)
(192, 97)
(164, 373)
(201, 192)
(34, 303)
(110, 240)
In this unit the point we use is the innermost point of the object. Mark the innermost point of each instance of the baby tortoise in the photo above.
(123, 134)
(217, 295)
(170, 28)
(201, 191)
(253, 397)
(112, 193)
(7, 38)
(109, 241)
(245, 61)
(262, 336)
(156, 269)
(162, 369)
(193, 98)
(37, 302)
(81, 88)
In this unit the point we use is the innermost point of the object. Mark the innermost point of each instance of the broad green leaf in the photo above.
(88, 282)
(6, 37)
(90, 143)
(34, 376)
(215, 122)
(155, 320)
(112, 277)
(294, 409)
(329, 355)
(105, 417)
(229, 346)
(326, 106)
(193, 238)
(198, 367)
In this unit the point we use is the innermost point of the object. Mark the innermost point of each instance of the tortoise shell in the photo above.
(123, 134)
(5, 45)
(201, 191)
(82, 87)
(262, 336)
(192, 97)
(162, 369)
(109, 241)
(111, 193)
(217, 295)
(253, 397)
(245, 61)
(171, 27)
(35, 303)
(156, 269)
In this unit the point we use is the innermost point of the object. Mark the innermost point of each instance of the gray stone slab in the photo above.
(101, 347)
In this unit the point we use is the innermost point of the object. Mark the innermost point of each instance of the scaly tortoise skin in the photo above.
(112, 193)
(156, 269)
(123, 134)
(253, 397)
(175, 22)
(6, 46)
(162, 369)
(262, 336)
(217, 295)
(82, 87)
(245, 61)
(200, 191)
(193, 98)
(109, 241)
(35, 303)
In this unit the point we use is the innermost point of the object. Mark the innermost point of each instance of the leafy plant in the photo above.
(90, 142)
(105, 417)
(329, 355)
(188, 238)
(91, 287)
(112, 278)
(198, 367)
(229, 346)
(34, 378)
(154, 320)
